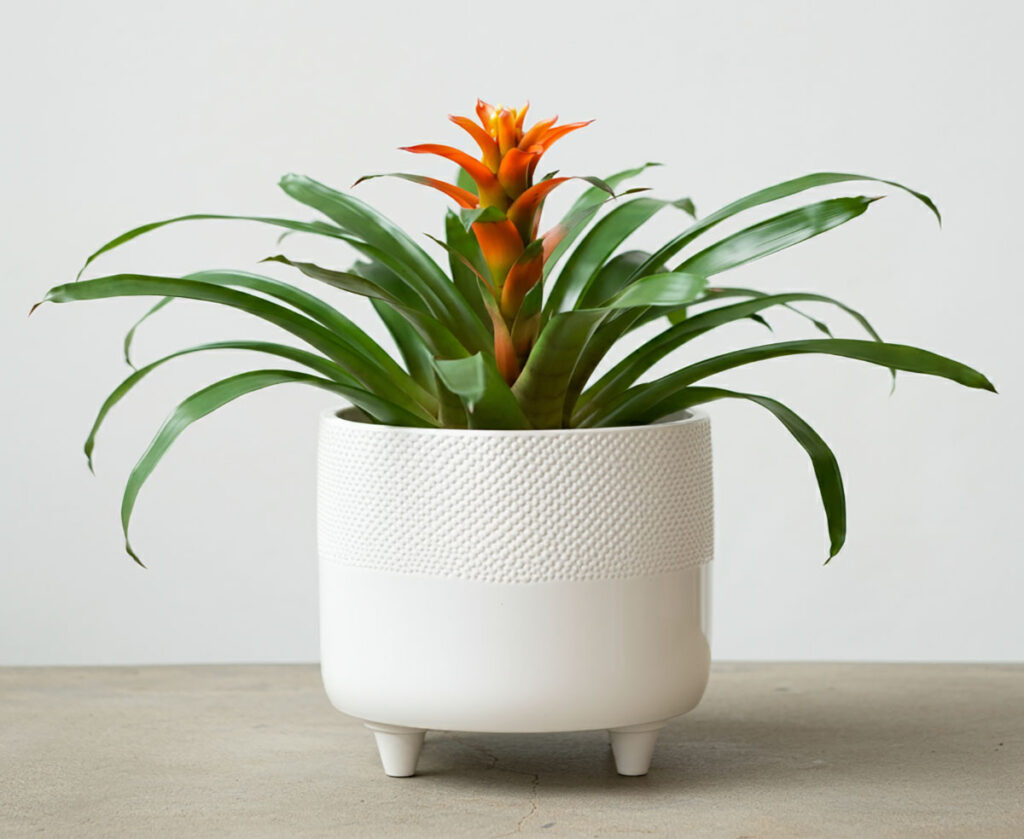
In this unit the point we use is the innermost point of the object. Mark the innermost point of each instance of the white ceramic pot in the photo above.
(514, 581)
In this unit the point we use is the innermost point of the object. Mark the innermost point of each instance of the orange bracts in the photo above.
(503, 176)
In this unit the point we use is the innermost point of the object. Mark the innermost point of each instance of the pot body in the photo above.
(514, 581)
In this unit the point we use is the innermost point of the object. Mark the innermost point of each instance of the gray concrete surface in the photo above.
(774, 750)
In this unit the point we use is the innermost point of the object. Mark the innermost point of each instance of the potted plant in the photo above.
(508, 540)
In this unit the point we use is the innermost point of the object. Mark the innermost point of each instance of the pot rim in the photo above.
(350, 416)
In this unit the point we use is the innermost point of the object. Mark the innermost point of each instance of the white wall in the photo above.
(118, 113)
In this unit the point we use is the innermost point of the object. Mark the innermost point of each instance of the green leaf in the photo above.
(826, 468)
(721, 292)
(674, 288)
(209, 399)
(638, 362)
(418, 358)
(311, 305)
(752, 243)
(599, 183)
(129, 337)
(541, 387)
(639, 403)
(488, 401)
(610, 280)
(591, 198)
(593, 251)
(613, 277)
(480, 214)
(775, 234)
(308, 304)
(401, 391)
(463, 247)
(465, 180)
(359, 218)
(526, 325)
(317, 227)
(312, 360)
(438, 337)
(764, 196)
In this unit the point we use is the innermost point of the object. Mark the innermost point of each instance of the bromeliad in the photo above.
(503, 340)
(504, 207)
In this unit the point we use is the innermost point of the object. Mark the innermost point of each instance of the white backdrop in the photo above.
(120, 113)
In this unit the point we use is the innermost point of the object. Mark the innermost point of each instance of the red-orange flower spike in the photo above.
(488, 148)
(522, 276)
(525, 209)
(491, 193)
(509, 154)
(514, 171)
(501, 245)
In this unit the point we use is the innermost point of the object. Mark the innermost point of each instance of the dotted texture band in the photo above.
(516, 507)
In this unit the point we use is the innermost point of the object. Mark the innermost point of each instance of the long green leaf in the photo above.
(319, 337)
(415, 353)
(718, 293)
(315, 362)
(612, 277)
(638, 362)
(435, 333)
(308, 304)
(764, 196)
(826, 468)
(217, 395)
(463, 243)
(591, 198)
(775, 234)
(640, 402)
(317, 227)
(129, 338)
(362, 220)
(752, 243)
(610, 280)
(541, 387)
(488, 401)
(420, 361)
(595, 248)
(673, 288)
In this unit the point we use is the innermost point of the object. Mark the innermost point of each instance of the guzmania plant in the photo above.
(504, 340)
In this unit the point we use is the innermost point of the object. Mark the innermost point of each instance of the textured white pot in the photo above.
(514, 581)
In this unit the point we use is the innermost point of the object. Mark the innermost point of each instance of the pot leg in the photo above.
(399, 748)
(633, 746)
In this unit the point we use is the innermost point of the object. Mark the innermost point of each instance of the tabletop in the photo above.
(773, 750)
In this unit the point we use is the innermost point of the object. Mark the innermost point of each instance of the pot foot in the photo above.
(633, 746)
(399, 748)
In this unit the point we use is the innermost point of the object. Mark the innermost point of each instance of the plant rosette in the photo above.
(511, 540)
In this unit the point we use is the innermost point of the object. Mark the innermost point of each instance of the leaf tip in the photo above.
(35, 306)
(132, 554)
